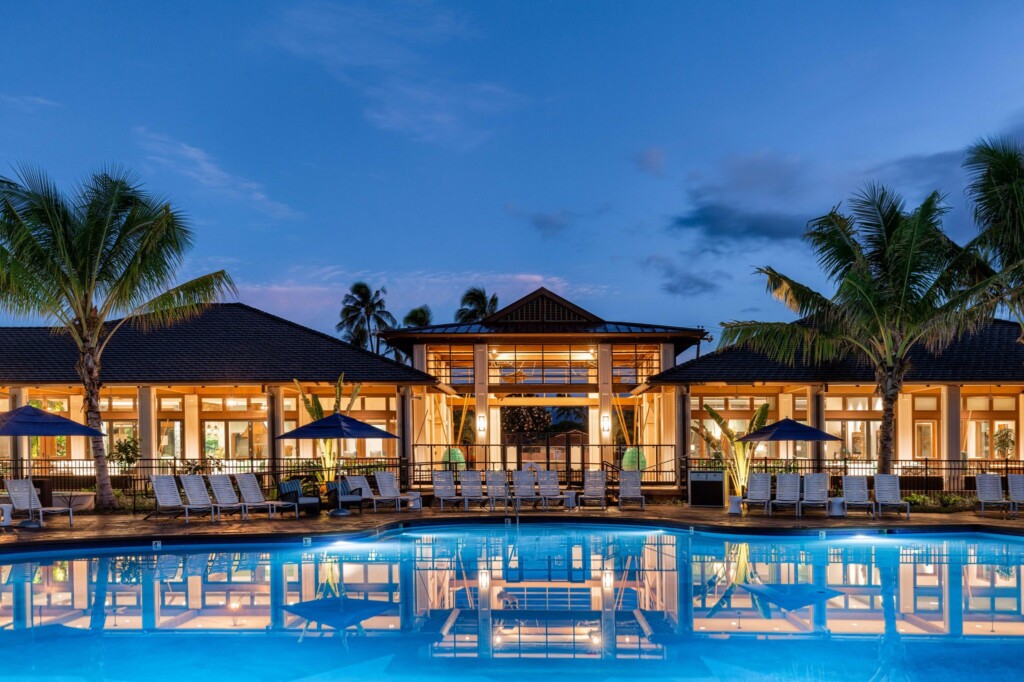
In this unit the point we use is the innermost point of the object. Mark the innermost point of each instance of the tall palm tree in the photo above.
(899, 282)
(364, 313)
(476, 305)
(420, 316)
(996, 189)
(83, 258)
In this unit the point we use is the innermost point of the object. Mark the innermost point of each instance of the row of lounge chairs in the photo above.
(225, 498)
(25, 500)
(539, 487)
(990, 492)
(814, 493)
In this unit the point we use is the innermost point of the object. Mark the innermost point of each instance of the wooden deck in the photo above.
(126, 529)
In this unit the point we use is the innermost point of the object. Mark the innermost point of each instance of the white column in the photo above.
(5, 442)
(79, 447)
(148, 431)
(480, 393)
(494, 426)
(419, 357)
(19, 398)
(275, 426)
(816, 417)
(904, 428)
(593, 436)
(949, 402)
(604, 392)
(305, 445)
(785, 401)
(193, 435)
(668, 356)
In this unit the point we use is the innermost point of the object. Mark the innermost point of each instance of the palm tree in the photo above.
(107, 249)
(996, 190)
(476, 305)
(420, 316)
(364, 314)
(899, 282)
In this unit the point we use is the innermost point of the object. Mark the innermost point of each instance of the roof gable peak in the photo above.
(542, 306)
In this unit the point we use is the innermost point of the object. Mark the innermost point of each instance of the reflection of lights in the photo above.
(233, 607)
(608, 580)
(497, 639)
(484, 579)
(701, 627)
(595, 636)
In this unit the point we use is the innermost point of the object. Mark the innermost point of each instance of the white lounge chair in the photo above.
(444, 489)
(387, 484)
(25, 500)
(225, 495)
(253, 499)
(759, 491)
(990, 493)
(472, 487)
(1016, 484)
(363, 486)
(630, 488)
(887, 494)
(787, 493)
(198, 496)
(523, 488)
(547, 485)
(815, 493)
(168, 499)
(855, 494)
(497, 488)
(595, 488)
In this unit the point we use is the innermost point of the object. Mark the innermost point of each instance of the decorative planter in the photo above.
(79, 501)
(633, 459)
(453, 459)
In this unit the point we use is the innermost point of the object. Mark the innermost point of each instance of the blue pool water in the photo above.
(490, 602)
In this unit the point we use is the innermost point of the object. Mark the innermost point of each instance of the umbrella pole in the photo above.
(339, 510)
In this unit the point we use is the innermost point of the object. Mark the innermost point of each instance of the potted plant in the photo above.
(1003, 441)
(126, 453)
(738, 456)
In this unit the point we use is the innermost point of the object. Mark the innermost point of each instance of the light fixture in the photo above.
(481, 423)
(484, 579)
(608, 580)
(606, 423)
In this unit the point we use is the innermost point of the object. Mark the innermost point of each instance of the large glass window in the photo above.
(632, 364)
(119, 429)
(235, 439)
(542, 364)
(171, 434)
(858, 439)
(451, 365)
(924, 440)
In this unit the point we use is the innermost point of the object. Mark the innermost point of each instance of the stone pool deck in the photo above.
(123, 529)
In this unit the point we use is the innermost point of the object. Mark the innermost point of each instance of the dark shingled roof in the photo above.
(992, 355)
(227, 343)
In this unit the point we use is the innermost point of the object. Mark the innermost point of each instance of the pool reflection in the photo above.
(583, 593)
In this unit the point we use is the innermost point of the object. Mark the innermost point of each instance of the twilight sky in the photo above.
(639, 158)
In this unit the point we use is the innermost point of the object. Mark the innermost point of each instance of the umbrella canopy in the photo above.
(787, 429)
(339, 612)
(792, 597)
(335, 426)
(31, 421)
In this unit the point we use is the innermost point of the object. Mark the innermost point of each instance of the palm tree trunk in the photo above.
(89, 372)
(98, 611)
(890, 381)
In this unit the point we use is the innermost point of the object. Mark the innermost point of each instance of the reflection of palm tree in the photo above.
(476, 305)
(364, 313)
(891, 652)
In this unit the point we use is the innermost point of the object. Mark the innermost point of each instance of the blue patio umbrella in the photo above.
(335, 426)
(787, 429)
(31, 421)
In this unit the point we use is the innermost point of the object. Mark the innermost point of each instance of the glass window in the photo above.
(714, 403)
(170, 443)
(924, 437)
(236, 404)
(214, 440)
(238, 439)
(211, 404)
(258, 403)
(859, 404)
(289, 448)
(122, 404)
(171, 404)
(800, 403)
(833, 403)
(977, 403)
(290, 404)
(926, 403)
(739, 403)
(1004, 403)
(452, 365)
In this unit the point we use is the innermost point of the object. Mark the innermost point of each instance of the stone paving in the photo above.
(126, 528)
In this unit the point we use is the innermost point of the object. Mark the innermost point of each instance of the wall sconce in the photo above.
(606, 423)
(607, 580)
(483, 580)
(481, 423)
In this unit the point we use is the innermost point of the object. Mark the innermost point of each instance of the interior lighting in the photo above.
(606, 423)
(481, 423)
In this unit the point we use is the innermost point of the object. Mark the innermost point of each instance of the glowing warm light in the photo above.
(606, 423)
(481, 423)
(484, 580)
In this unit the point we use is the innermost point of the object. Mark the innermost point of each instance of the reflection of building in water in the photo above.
(586, 594)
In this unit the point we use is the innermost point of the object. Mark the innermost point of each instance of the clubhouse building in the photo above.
(480, 394)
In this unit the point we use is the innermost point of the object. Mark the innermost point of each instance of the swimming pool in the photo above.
(485, 602)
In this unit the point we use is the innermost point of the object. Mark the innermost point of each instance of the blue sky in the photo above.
(639, 158)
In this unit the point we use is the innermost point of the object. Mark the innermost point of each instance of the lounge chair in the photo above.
(523, 488)
(25, 500)
(472, 487)
(168, 499)
(887, 494)
(1016, 483)
(291, 491)
(595, 488)
(855, 493)
(444, 489)
(341, 495)
(198, 496)
(759, 491)
(990, 493)
(815, 493)
(547, 484)
(630, 488)
(387, 484)
(253, 499)
(497, 488)
(361, 484)
(787, 493)
(225, 495)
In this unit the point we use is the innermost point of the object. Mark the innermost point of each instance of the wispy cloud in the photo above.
(552, 223)
(197, 164)
(680, 282)
(383, 54)
(27, 103)
(650, 161)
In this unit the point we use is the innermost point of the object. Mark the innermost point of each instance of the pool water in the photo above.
(484, 602)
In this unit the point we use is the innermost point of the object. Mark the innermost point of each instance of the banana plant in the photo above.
(742, 573)
(315, 409)
(738, 456)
